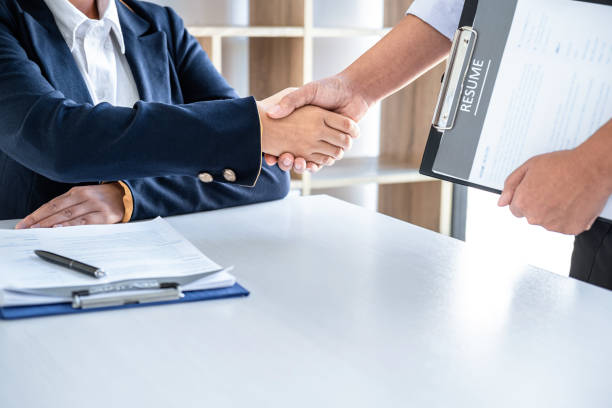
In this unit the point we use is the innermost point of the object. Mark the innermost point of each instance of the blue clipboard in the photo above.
(20, 312)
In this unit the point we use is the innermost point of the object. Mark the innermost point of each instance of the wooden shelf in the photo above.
(362, 170)
(284, 32)
(236, 31)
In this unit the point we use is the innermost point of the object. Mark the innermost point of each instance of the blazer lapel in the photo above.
(147, 54)
(57, 62)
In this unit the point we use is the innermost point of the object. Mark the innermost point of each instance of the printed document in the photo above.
(150, 249)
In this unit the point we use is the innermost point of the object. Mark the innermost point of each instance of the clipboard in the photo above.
(471, 75)
(21, 312)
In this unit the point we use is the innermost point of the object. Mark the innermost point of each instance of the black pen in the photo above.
(71, 264)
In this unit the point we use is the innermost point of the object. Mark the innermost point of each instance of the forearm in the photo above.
(409, 50)
(75, 143)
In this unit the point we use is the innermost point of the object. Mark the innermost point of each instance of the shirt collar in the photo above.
(68, 19)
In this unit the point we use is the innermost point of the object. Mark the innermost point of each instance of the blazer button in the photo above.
(229, 175)
(205, 177)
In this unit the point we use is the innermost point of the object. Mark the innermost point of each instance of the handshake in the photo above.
(307, 139)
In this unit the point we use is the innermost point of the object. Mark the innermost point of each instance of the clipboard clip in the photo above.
(461, 53)
(85, 300)
(123, 292)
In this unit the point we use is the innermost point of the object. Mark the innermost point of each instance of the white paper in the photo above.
(149, 249)
(553, 90)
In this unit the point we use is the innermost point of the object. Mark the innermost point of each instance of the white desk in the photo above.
(348, 308)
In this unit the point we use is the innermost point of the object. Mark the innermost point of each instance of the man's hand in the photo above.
(561, 191)
(334, 94)
(96, 204)
(310, 132)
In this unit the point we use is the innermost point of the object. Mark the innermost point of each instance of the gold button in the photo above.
(205, 177)
(229, 175)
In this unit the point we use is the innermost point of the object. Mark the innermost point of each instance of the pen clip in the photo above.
(452, 84)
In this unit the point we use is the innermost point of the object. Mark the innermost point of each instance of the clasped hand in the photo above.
(318, 136)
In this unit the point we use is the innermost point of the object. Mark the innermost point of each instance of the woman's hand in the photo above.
(95, 204)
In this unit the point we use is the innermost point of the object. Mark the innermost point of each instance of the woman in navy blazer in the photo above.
(188, 123)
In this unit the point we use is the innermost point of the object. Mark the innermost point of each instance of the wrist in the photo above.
(350, 82)
(595, 153)
(267, 146)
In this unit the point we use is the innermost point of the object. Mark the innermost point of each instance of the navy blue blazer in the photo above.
(189, 120)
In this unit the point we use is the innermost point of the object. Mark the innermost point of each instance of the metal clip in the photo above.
(461, 51)
(85, 301)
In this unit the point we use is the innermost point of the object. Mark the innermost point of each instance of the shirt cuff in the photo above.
(443, 15)
(128, 202)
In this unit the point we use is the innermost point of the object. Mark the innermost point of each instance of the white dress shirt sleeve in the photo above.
(443, 15)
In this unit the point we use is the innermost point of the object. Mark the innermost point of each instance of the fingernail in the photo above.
(35, 226)
(287, 162)
(57, 226)
(298, 167)
(19, 226)
(274, 110)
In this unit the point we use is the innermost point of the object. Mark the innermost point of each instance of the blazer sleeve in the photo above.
(174, 195)
(72, 142)
(165, 196)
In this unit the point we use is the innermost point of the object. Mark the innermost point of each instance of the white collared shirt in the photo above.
(443, 15)
(98, 50)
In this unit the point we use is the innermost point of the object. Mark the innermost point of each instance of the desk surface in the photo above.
(348, 308)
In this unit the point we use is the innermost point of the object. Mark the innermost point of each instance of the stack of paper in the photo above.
(151, 249)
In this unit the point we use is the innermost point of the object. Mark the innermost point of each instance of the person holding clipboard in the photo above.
(563, 191)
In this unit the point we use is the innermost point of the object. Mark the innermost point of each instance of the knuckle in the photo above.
(67, 212)
(515, 211)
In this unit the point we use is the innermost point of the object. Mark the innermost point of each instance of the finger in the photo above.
(516, 210)
(56, 205)
(338, 139)
(320, 159)
(285, 161)
(296, 99)
(66, 214)
(86, 219)
(313, 167)
(299, 165)
(511, 184)
(327, 149)
(343, 124)
(270, 160)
